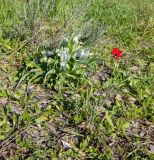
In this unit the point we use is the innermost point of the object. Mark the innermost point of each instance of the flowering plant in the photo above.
(58, 68)
(116, 53)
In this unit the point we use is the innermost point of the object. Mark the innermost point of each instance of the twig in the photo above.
(26, 41)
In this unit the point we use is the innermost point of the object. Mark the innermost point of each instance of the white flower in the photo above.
(76, 39)
(47, 53)
(81, 53)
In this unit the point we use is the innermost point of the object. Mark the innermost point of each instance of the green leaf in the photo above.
(37, 108)
(109, 120)
(47, 74)
(4, 44)
(31, 64)
(40, 120)
(2, 137)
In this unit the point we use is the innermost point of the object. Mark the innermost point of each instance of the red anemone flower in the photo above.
(116, 53)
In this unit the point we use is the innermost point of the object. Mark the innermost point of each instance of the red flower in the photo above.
(116, 53)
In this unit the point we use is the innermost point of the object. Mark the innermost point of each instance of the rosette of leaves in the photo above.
(62, 68)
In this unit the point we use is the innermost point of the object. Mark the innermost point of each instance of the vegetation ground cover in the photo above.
(63, 95)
